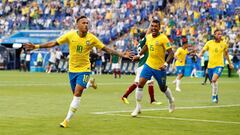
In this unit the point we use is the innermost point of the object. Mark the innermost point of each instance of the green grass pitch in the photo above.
(35, 104)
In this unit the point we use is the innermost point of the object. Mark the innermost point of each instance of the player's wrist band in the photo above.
(37, 46)
(166, 64)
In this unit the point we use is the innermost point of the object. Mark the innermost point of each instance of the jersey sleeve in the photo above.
(97, 42)
(225, 47)
(63, 39)
(142, 42)
(206, 46)
(178, 52)
(147, 39)
(166, 42)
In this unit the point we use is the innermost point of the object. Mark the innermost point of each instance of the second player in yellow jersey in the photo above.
(180, 57)
(157, 48)
(217, 49)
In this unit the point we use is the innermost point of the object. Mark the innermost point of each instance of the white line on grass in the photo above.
(177, 108)
(116, 113)
(181, 119)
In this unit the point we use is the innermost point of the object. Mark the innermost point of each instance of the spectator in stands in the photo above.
(115, 18)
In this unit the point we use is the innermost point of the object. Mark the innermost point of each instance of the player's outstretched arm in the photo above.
(201, 53)
(111, 51)
(169, 59)
(170, 56)
(192, 51)
(30, 46)
(228, 59)
(140, 55)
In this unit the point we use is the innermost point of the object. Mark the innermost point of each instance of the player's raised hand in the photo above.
(164, 66)
(135, 58)
(29, 46)
(199, 55)
(231, 66)
(127, 54)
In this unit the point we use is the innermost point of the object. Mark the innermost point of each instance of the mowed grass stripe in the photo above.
(180, 119)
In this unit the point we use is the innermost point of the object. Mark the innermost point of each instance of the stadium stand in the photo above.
(120, 21)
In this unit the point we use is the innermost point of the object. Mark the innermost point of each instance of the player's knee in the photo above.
(214, 80)
(151, 83)
(136, 83)
(163, 88)
(140, 85)
(78, 93)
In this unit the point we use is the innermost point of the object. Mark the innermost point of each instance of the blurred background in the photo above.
(114, 22)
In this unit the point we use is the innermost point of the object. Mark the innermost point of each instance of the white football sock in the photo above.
(73, 107)
(168, 94)
(178, 83)
(88, 84)
(138, 96)
(174, 81)
(214, 88)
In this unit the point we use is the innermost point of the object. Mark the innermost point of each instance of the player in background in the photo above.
(205, 63)
(141, 62)
(52, 60)
(180, 57)
(80, 44)
(115, 60)
(23, 66)
(157, 45)
(217, 49)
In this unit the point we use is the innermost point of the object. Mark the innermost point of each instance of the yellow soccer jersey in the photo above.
(156, 49)
(79, 50)
(216, 53)
(181, 56)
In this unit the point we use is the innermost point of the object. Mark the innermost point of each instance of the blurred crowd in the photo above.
(120, 22)
(109, 18)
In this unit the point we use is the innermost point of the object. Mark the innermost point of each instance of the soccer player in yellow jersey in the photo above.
(80, 43)
(217, 49)
(157, 45)
(180, 56)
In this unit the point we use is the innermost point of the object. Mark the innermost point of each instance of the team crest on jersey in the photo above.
(157, 43)
(87, 42)
(168, 44)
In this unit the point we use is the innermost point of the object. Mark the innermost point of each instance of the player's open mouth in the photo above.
(154, 31)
